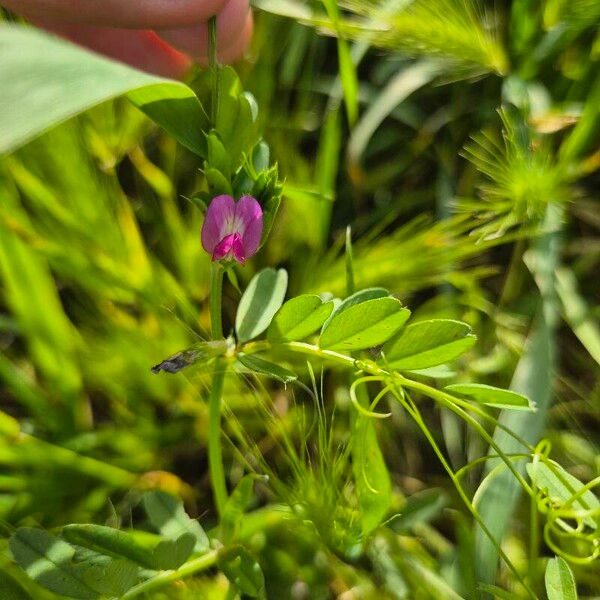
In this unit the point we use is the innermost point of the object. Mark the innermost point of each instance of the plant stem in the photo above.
(215, 456)
(534, 540)
(189, 568)
(215, 296)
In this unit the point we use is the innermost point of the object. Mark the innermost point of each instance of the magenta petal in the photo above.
(224, 248)
(230, 247)
(237, 249)
(219, 215)
(249, 218)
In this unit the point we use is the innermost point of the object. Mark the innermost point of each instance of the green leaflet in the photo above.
(168, 517)
(298, 318)
(492, 396)
(64, 80)
(259, 303)
(356, 298)
(364, 325)
(48, 560)
(143, 548)
(256, 364)
(428, 343)
(560, 583)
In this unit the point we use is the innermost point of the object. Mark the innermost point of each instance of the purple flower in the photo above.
(232, 230)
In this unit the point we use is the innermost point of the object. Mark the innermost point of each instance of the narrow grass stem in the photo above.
(215, 455)
(216, 293)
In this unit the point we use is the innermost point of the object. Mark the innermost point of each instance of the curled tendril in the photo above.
(571, 532)
(370, 412)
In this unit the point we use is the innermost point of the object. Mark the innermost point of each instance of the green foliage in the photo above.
(427, 344)
(492, 396)
(51, 562)
(103, 561)
(298, 318)
(453, 30)
(242, 569)
(523, 177)
(559, 488)
(256, 364)
(168, 517)
(387, 477)
(261, 300)
(63, 82)
(363, 325)
(560, 583)
(145, 549)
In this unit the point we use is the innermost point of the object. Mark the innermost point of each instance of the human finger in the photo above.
(135, 14)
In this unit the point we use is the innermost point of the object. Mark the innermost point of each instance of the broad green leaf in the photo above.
(146, 549)
(364, 325)
(560, 486)
(534, 378)
(200, 352)
(560, 583)
(48, 561)
(298, 318)
(256, 364)
(259, 303)
(371, 476)
(168, 517)
(243, 570)
(492, 396)
(63, 80)
(428, 343)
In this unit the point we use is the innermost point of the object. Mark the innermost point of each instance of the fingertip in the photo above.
(141, 49)
(240, 45)
(234, 30)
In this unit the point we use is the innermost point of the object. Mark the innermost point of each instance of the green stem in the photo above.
(215, 298)
(189, 568)
(534, 540)
(215, 455)
(413, 411)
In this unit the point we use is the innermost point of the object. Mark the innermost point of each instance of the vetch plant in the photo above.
(308, 396)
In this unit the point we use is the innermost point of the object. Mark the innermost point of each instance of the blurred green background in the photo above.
(461, 211)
